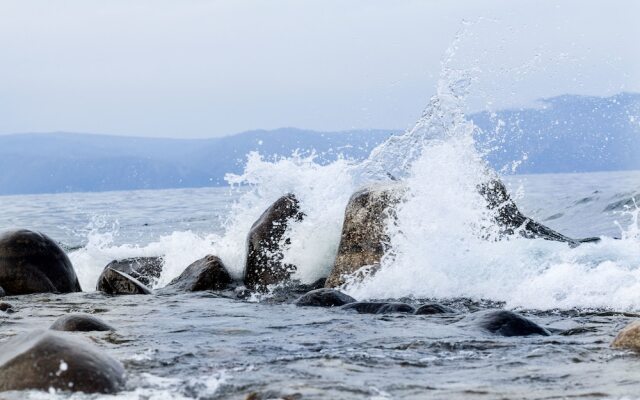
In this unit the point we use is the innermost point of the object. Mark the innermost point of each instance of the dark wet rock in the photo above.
(116, 282)
(42, 360)
(578, 330)
(208, 273)
(434, 308)
(363, 240)
(307, 287)
(324, 298)
(80, 323)
(628, 337)
(264, 264)
(6, 307)
(509, 217)
(31, 262)
(380, 308)
(146, 270)
(506, 323)
(268, 395)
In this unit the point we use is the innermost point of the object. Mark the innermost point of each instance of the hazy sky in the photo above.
(196, 68)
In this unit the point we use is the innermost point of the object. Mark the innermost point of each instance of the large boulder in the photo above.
(628, 337)
(147, 270)
(324, 298)
(506, 323)
(265, 241)
(31, 262)
(115, 282)
(208, 273)
(80, 323)
(45, 359)
(364, 240)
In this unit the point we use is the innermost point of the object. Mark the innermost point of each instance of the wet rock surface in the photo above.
(434, 308)
(146, 270)
(45, 359)
(264, 264)
(628, 337)
(506, 323)
(208, 273)
(31, 262)
(80, 323)
(324, 298)
(380, 308)
(116, 282)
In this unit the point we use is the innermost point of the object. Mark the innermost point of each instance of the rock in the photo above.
(324, 298)
(264, 253)
(511, 219)
(380, 308)
(628, 337)
(146, 270)
(364, 240)
(2, 292)
(112, 281)
(42, 360)
(208, 273)
(6, 307)
(433, 308)
(80, 323)
(506, 323)
(30, 262)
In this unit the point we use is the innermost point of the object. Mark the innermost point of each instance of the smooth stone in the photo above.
(379, 308)
(324, 298)
(42, 360)
(80, 323)
(628, 337)
(6, 307)
(146, 270)
(208, 273)
(433, 308)
(116, 282)
(31, 262)
(506, 323)
(264, 266)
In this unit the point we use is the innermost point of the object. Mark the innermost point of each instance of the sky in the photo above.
(196, 68)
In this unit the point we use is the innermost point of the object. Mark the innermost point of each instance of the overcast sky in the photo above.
(195, 68)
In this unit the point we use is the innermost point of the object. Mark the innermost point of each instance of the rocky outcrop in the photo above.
(45, 359)
(116, 282)
(506, 323)
(208, 273)
(80, 323)
(433, 308)
(146, 270)
(324, 298)
(380, 308)
(30, 262)
(628, 337)
(265, 243)
(364, 240)
(509, 217)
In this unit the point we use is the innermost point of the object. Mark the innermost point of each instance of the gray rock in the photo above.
(324, 298)
(147, 270)
(380, 308)
(45, 359)
(208, 273)
(506, 323)
(80, 323)
(264, 265)
(433, 308)
(2, 292)
(364, 240)
(30, 262)
(116, 282)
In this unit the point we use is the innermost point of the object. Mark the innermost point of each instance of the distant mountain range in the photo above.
(565, 134)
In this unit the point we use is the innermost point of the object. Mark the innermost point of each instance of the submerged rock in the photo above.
(31, 262)
(44, 359)
(364, 241)
(116, 282)
(380, 308)
(628, 337)
(433, 308)
(208, 273)
(146, 270)
(80, 323)
(6, 307)
(509, 217)
(324, 298)
(506, 323)
(264, 264)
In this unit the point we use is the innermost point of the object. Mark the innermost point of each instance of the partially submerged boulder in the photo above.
(506, 323)
(380, 308)
(80, 323)
(31, 262)
(434, 308)
(628, 337)
(364, 241)
(115, 282)
(147, 270)
(208, 273)
(324, 298)
(265, 243)
(42, 360)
